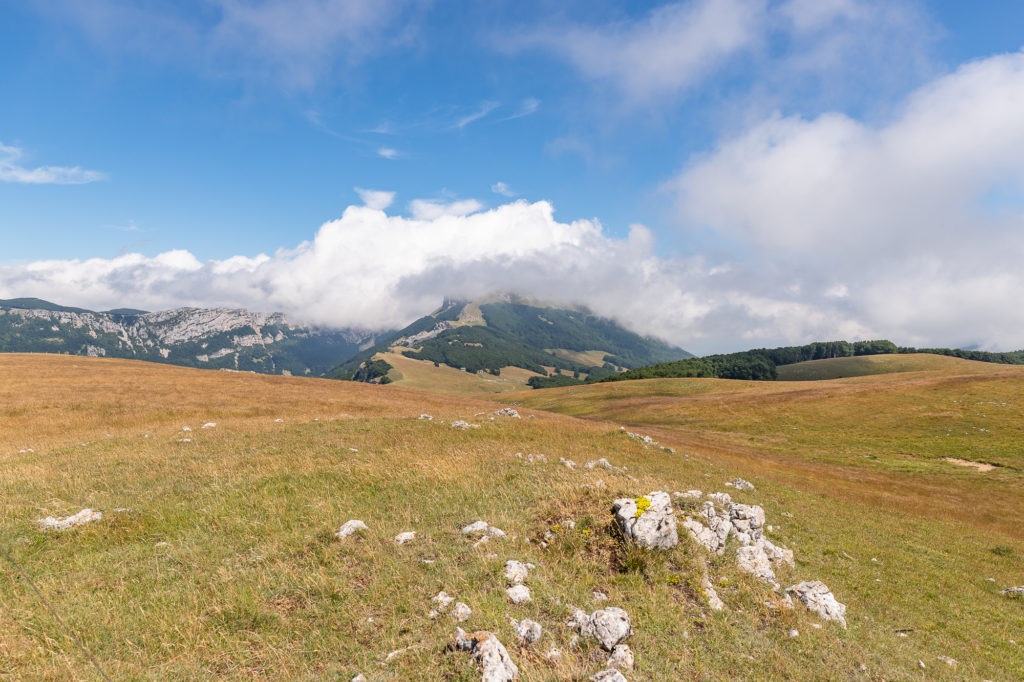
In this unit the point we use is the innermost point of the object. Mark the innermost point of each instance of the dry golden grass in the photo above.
(424, 376)
(841, 368)
(223, 564)
(880, 439)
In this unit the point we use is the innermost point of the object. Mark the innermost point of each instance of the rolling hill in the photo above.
(487, 338)
(216, 557)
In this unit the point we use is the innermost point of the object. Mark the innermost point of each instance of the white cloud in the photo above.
(387, 153)
(529, 106)
(502, 189)
(671, 49)
(11, 170)
(375, 199)
(481, 111)
(429, 209)
(895, 223)
(296, 43)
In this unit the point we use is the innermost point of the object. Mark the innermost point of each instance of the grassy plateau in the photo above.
(216, 556)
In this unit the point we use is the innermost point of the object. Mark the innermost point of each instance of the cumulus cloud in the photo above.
(912, 227)
(12, 170)
(430, 209)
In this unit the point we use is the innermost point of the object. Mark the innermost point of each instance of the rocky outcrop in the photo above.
(82, 517)
(648, 520)
(489, 653)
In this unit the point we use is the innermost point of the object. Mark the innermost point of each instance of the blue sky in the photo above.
(234, 129)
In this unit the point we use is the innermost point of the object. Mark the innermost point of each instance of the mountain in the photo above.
(511, 338)
(216, 338)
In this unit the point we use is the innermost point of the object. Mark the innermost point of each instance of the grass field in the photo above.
(222, 563)
(422, 375)
(842, 368)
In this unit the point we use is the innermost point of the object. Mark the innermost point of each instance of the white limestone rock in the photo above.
(516, 571)
(462, 424)
(621, 658)
(519, 594)
(711, 595)
(722, 499)
(554, 655)
(406, 537)
(1017, 591)
(611, 626)
(581, 622)
(740, 484)
(689, 495)
(653, 527)
(67, 522)
(528, 631)
(461, 612)
(475, 527)
(609, 675)
(350, 527)
(569, 464)
(507, 412)
(818, 598)
(426, 417)
(753, 559)
(485, 650)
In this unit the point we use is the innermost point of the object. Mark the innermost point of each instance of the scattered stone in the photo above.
(722, 499)
(527, 631)
(611, 626)
(507, 412)
(646, 440)
(951, 662)
(519, 594)
(516, 571)
(84, 516)
(819, 599)
(394, 654)
(689, 495)
(186, 428)
(442, 599)
(714, 601)
(603, 463)
(554, 655)
(600, 596)
(278, 420)
(648, 521)
(794, 634)
(621, 658)
(581, 622)
(359, 678)
(461, 612)
(532, 458)
(609, 675)
(569, 464)
(920, 664)
(740, 484)
(426, 417)
(406, 537)
(350, 527)
(485, 650)
(753, 559)
(475, 527)
(1017, 591)
(184, 440)
(209, 425)
(462, 424)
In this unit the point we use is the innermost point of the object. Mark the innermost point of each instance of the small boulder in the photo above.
(1017, 591)
(621, 658)
(485, 650)
(569, 464)
(507, 412)
(475, 527)
(581, 622)
(516, 571)
(818, 598)
(649, 521)
(350, 528)
(519, 594)
(527, 631)
(406, 537)
(740, 484)
(753, 559)
(461, 612)
(611, 626)
(609, 675)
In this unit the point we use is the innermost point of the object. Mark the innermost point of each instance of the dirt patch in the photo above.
(980, 466)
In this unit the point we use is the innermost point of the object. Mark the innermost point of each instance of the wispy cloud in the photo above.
(11, 170)
(388, 153)
(130, 227)
(529, 106)
(484, 109)
(502, 189)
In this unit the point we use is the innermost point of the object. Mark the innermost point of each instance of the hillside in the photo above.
(842, 368)
(488, 337)
(214, 338)
(216, 555)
